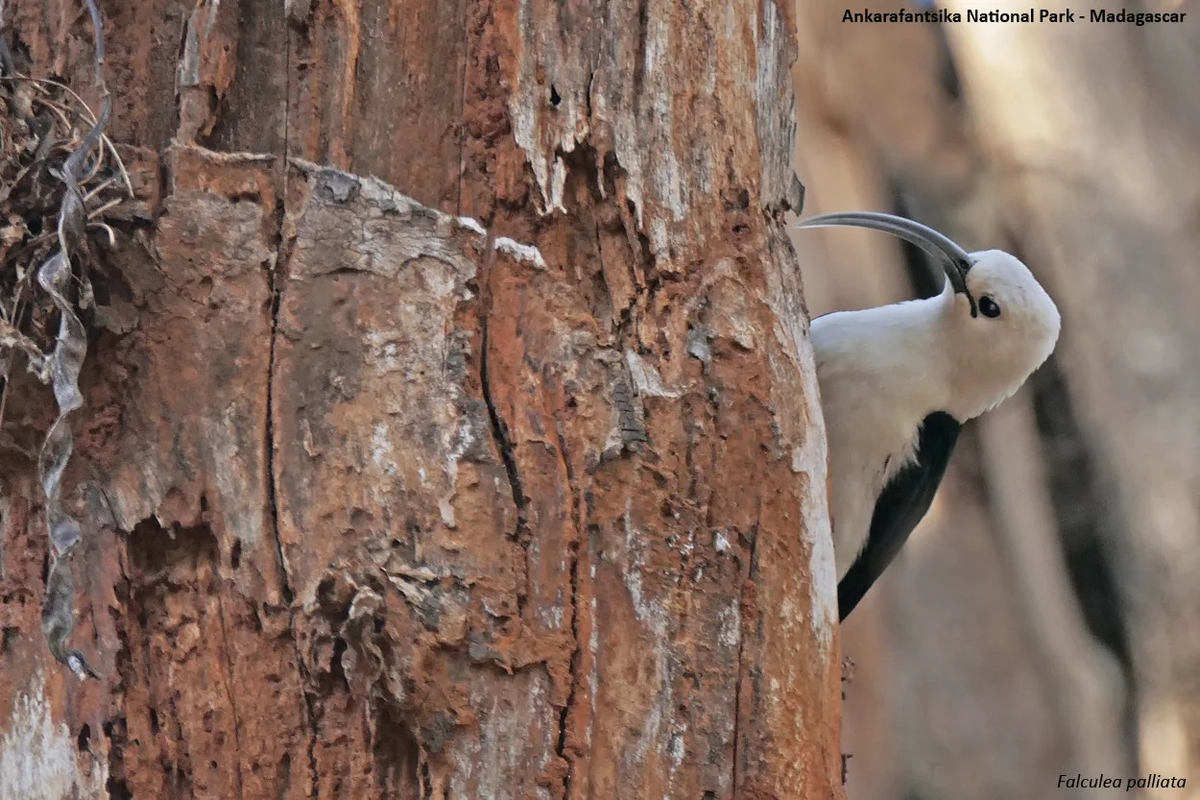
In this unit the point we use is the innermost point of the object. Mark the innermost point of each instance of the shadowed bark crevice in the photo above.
(747, 602)
(278, 279)
(499, 429)
(231, 692)
(573, 556)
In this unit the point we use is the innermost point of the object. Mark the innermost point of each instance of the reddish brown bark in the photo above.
(371, 513)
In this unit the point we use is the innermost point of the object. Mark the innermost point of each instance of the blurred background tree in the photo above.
(1043, 618)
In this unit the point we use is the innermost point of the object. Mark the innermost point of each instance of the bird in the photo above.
(897, 383)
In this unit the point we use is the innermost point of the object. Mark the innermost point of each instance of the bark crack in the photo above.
(277, 281)
(748, 588)
(576, 650)
(282, 255)
(276, 289)
(230, 691)
(499, 429)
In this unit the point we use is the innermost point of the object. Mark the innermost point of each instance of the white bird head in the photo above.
(1013, 332)
(997, 322)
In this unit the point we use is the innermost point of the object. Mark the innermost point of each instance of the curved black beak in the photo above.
(954, 260)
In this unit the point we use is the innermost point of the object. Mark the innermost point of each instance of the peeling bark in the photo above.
(497, 475)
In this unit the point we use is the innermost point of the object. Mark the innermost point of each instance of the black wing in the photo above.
(901, 505)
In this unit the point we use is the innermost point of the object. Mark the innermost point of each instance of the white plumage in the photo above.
(897, 381)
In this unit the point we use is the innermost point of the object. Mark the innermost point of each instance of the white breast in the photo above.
(868, 443)
(873, 367)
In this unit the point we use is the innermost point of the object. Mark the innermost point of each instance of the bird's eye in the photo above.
(988, 306)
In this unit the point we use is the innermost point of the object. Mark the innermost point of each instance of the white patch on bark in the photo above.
(224, 456)
(541, 130)
(646, 378)
(809, 458)
(670, 185)
(189, 61)
(776, 106)
(463, 439)
(822, 565)
(505, 752)
(654, 616)
(385, 350)
(558, 182)
(730, 621)
(521, 252)
(38, 756)
(471, 224)
(721, 542)
(660, 240)
(381, 449)
(593, 648)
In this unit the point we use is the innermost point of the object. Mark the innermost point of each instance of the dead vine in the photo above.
(60, 175)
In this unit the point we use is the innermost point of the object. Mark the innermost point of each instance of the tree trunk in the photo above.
(499, 474)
